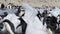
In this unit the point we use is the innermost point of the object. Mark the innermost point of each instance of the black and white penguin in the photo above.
(21, 13)
(2, 6)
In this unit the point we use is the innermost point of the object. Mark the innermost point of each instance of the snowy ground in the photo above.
(34, 24)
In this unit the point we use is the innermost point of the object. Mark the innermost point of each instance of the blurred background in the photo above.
(34, 3)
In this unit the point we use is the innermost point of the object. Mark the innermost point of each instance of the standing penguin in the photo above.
(21, 13)
(2, 6)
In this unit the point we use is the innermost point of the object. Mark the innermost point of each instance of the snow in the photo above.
(34, 25)
(7, 10)
(10, 11)
(55, 12)
(14, 19)
(30, 13)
